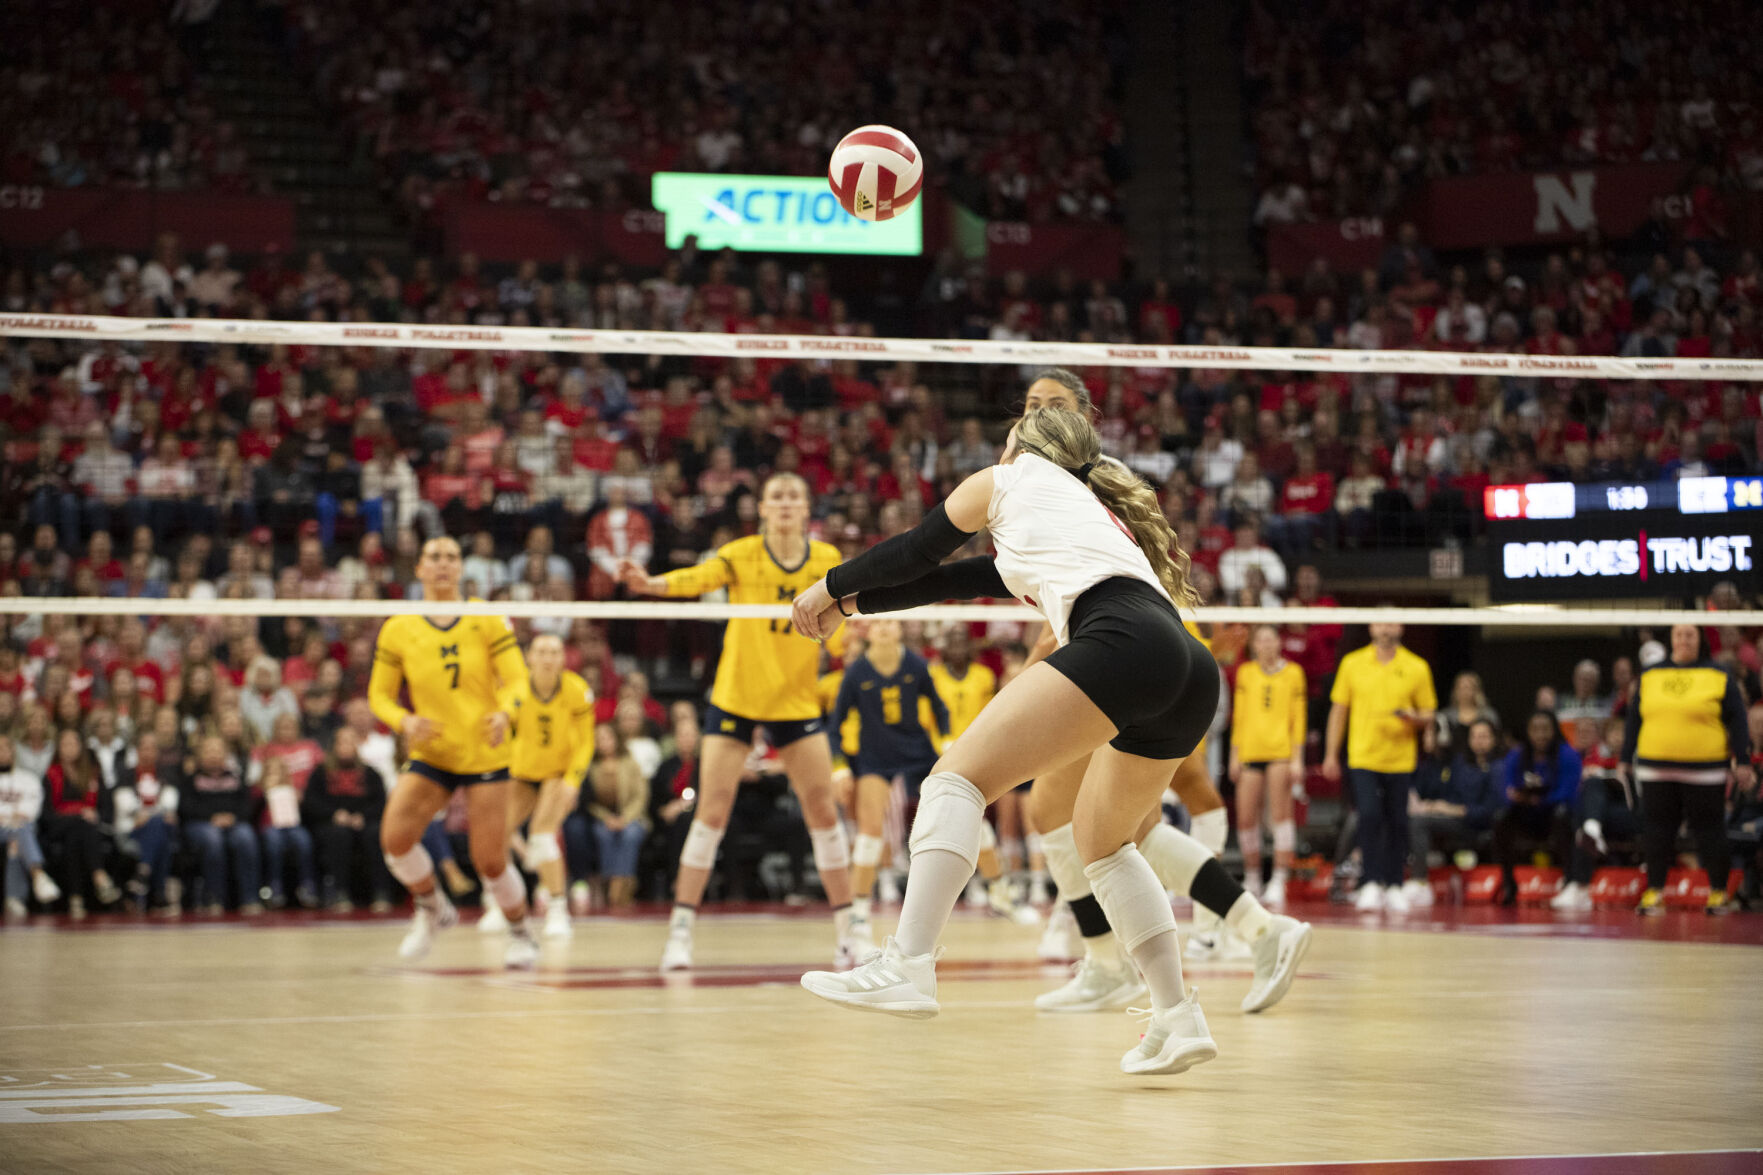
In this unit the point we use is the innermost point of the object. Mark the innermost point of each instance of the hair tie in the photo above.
(1082, 473)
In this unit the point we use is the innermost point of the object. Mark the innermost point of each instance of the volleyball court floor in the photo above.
(1482, 1041)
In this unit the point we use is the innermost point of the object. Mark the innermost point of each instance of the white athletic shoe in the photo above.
(856, 947)
(522, 951)
(1203, 946)
(887, 888)
(890, 982)
(45, 889)
(1395, 900)
(1175, 1040)
(424, 925)
(677, 954)
(1418, 893)
(1277, 955)
(1095, 987)
(1037, 891)
(1232, 948)
(15, 908)
(975, 898)
(492, 920)
(1370, 898)
(1061, 940)
(557, 923)
(1001, 897)
(1275, 894)
(1573, 897)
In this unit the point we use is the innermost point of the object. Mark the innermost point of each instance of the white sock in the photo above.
(1159, 961)
(842, 920)
(938, 877)
(1248, 918)
(1138, 909)
(1211, 829)
(1104, 949)
(860, 909)
(683, 919)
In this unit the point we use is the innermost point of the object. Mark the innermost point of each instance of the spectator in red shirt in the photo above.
(71, 832)
(286, 760)
(616, 534)
(1305, 502)
(131, 656)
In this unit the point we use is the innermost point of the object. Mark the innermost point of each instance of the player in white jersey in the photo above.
(1085, 542)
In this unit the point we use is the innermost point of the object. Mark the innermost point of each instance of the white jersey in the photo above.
(1056, 539)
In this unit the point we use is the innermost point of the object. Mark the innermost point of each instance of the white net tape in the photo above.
(744, 346)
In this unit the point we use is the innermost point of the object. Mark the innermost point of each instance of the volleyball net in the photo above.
(1532, 581)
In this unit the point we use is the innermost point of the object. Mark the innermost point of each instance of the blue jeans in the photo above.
(153, 839)
(17, 883)
(214, 845)
(1382, 802)
(578, 846)
(434, 839)
(618, 850)
(276, 843)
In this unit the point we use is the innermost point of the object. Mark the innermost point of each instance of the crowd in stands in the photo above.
(578, 106)
(1353, 104)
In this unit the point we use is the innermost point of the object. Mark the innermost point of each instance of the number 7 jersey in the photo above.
(457, 676)
(768, 670)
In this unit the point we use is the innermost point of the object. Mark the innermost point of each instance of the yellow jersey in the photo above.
(827, 691)
(964, 696)
(1687, 723)
(768, 669)
(457, 675)
(1268, 713)
(555, 735)
(1373, 691)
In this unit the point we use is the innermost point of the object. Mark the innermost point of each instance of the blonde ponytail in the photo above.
(1069, 440)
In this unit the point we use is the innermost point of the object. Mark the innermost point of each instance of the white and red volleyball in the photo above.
(876, 172)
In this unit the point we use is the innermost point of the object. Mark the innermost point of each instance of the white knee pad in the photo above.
(1174, 856)
(412, 867)
(1211, 829)
(830, 850)
(1063, 863)
(541, 849)
(866, 851)
(700, 848)
(988, 839)
(1131, 896)
(950, 813)
(1285, 836)
(507, 889)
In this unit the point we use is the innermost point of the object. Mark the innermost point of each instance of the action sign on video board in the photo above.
(776, 214)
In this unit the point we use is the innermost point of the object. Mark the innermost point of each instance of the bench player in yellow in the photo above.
(462, 673)
(766, 678)
(553, 745)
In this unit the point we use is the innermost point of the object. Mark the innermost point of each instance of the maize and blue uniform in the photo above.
(898, 715)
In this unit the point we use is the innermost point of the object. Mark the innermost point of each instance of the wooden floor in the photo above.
(305, 1046)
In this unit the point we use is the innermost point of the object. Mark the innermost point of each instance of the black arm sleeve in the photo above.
(965, 579)
(900, 559)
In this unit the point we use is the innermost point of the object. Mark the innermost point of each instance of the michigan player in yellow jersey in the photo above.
(766, 679)
(553, 745)
(462, 673)
(1267, 754)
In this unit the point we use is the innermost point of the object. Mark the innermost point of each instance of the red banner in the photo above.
(1348, 245)
(1089, 251)
(516, 232)
(1541, 207)
(129, 218)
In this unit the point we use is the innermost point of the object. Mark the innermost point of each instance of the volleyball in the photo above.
(875, 172)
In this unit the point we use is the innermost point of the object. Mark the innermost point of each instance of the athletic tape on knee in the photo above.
(1285, 836)
(1131, 896)
(700, 847)
(866, 850)
(1211, 829)
(1064, 864)
(507, 889)
(950, 812)
(412, 867)
(541, 849)
(987, 838)
(830, 850)
(1174, 856)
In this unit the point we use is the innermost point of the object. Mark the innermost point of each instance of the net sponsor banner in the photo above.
(130, 218)
(1639, 555)
(776, 214)
(512, 232)
(1521, 208)
(1348, 245)
(816, 347)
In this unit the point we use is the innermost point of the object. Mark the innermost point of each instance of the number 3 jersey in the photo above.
(768, 670)
(458, 676)
(1055, 539)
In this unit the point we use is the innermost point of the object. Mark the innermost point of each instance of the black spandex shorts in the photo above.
(781, 733)
(453, 780)
(1131, 656)
(913, 774)
(1261, 765)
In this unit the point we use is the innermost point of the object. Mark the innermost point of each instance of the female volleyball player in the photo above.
(553, 744)
(1086, 543)
(1266, 755)
(766, 678)
(890, 688)
(463, 673)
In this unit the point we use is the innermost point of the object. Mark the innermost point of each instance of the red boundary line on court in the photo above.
(1662, 1163)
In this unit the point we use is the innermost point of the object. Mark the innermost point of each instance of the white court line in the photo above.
(1307, 1163)
(391, 1017)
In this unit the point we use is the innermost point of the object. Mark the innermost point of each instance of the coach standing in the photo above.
(1383, 698)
